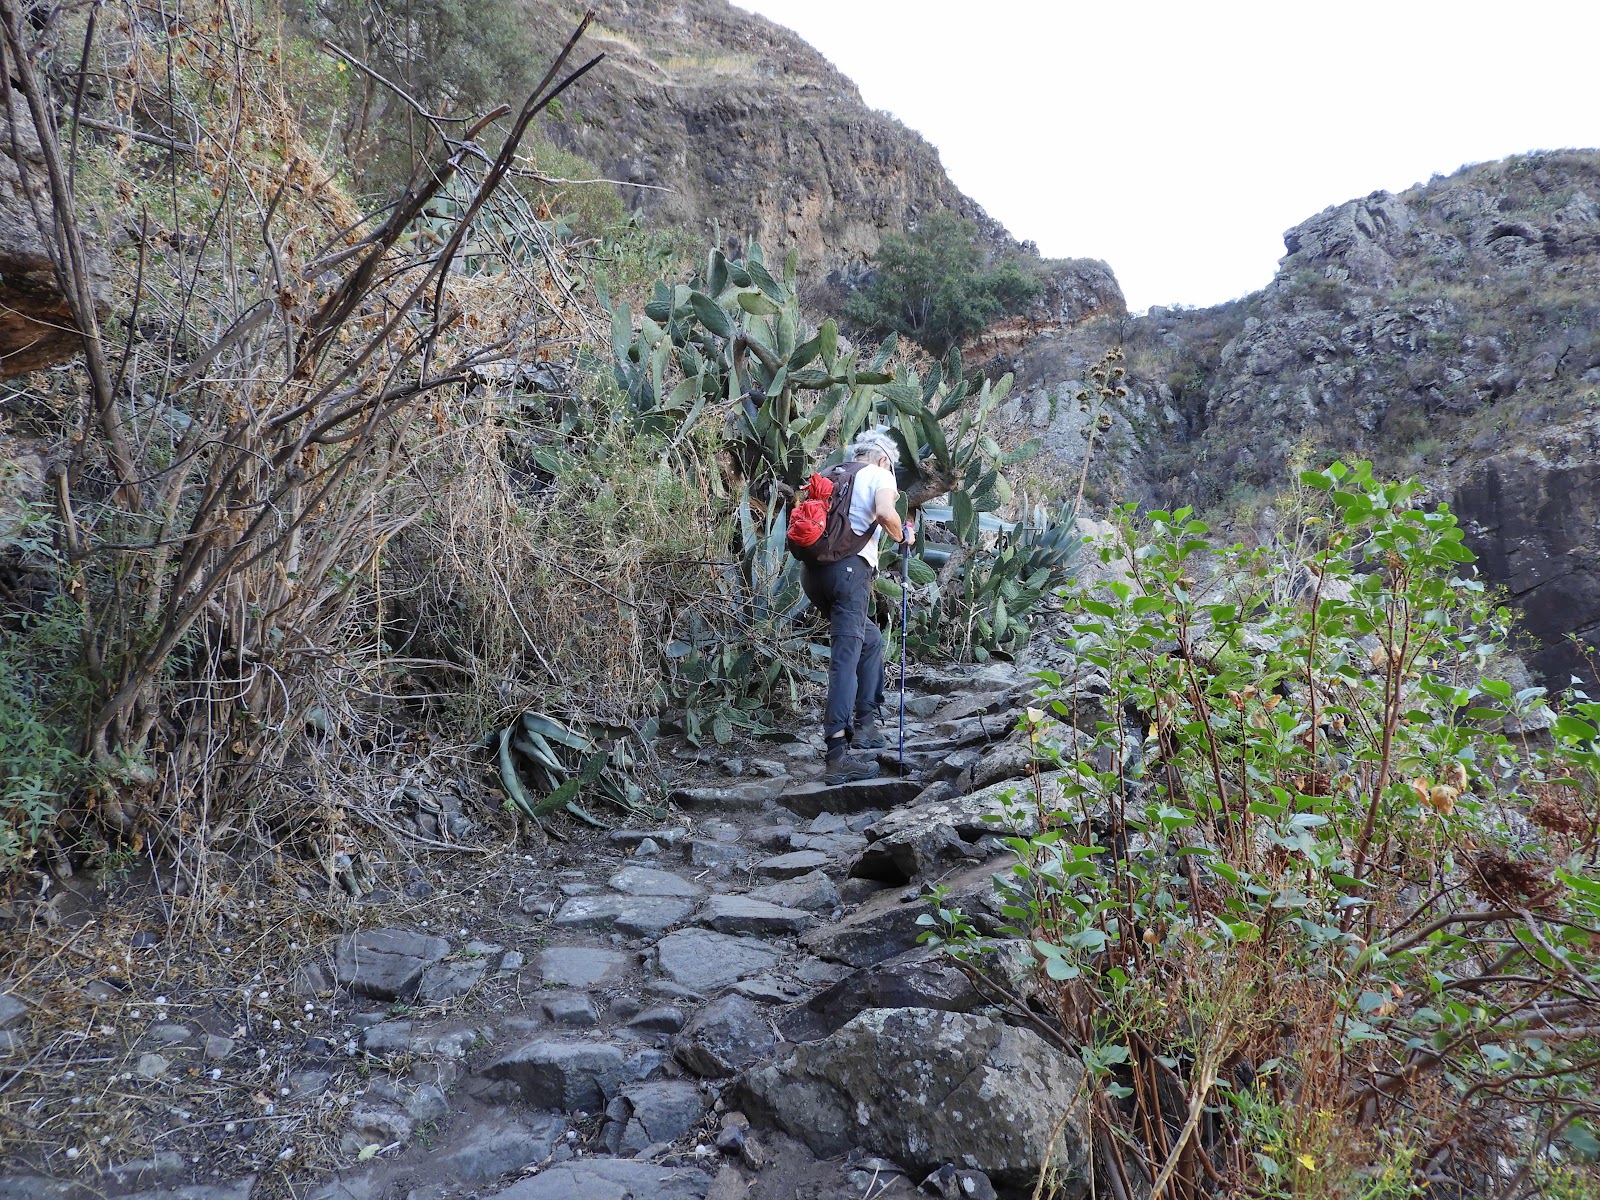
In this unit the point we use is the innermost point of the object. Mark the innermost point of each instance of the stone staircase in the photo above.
(731, 1005)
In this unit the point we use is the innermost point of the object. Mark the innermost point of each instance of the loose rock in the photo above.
(570, 1008)
(725, 1036)
(386, 964)
(647, 1113)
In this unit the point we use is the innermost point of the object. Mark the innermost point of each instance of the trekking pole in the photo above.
(905, 608)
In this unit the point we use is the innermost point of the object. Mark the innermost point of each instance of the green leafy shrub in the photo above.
(932, 285)
(1290, 879)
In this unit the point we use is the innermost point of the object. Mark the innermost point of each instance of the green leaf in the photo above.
(711, 314)
(966, 517)
(768, 285)
(828, 341)
(757, 304)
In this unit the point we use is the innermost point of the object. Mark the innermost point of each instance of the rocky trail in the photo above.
(730, 1004)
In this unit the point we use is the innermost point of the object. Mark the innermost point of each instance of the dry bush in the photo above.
(252, 420)
(557, 587)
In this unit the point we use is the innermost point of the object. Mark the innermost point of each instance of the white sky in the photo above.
(1178, 139)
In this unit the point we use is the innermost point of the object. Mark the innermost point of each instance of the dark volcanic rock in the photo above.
(1531, 515)
(706, 962)
(913, 840)
(886, 924)
(387, 964)
(647, 1113)
(569, 1076)
(725, 1036)
(924, 1088)
(609, 1179)
(917, 979)
(810, 799)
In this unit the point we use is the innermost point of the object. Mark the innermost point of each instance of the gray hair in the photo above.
(871, 443)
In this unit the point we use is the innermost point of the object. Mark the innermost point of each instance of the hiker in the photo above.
(842, 592)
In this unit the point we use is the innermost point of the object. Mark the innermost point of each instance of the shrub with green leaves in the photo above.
(932, 285)
(1292, 874)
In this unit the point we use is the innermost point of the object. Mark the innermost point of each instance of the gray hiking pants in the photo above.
(842, 592)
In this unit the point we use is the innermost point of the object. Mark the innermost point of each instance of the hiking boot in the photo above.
(867, 735)
(841, 768)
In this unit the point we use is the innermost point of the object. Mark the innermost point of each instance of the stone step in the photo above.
(609, 1179)
(630, 914)
(741, 914)
(753, 795)
(647, 881)
(884, 792)
(706, 962)
(570, 1076)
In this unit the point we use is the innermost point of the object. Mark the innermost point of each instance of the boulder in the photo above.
(888, 923)
(387, 964)
(921, 837)
(917, 979)
(925, 1088)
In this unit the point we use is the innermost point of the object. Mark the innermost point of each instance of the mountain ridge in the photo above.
(1451, 331)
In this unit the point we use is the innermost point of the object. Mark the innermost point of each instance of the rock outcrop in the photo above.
(1451, 332)
(1531, 514)
(727, 119)
(925, 1087)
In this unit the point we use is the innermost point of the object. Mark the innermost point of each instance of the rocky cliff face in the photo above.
(1451, 331)
(730, 120)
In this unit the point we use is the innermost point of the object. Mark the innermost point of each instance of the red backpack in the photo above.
(819, 526)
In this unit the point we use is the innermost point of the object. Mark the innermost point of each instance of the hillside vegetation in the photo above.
(407, 700)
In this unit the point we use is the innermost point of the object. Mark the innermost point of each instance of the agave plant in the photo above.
(984, 605)
(546, 766)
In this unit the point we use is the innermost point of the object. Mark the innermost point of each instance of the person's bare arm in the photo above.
(883, 510)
